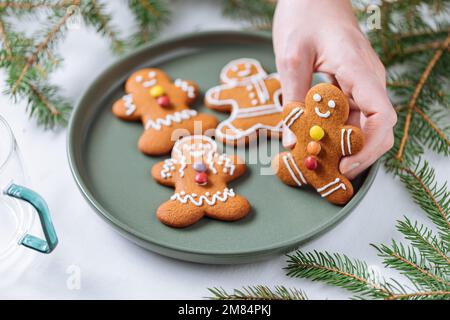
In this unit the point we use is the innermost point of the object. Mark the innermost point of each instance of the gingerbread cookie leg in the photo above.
(287, 170)
(235, 208)
(338, 191)
(179, 215)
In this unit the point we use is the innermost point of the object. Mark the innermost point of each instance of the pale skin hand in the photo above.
(324, 36)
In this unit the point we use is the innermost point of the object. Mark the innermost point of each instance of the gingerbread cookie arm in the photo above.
(190, 88)
(285, 167)
(230, 167)
(292, 112)
(351, 140)
(126, 108)
(220, 98)
(163, 172)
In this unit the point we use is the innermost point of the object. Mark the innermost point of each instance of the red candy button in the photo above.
(201, 178)
(311, 163)
(163, 101)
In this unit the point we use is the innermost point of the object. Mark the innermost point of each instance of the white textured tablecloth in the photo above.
(111, 267)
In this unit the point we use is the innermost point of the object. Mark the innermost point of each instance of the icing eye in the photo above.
(317, 97)
(234, 68)
(331, 104)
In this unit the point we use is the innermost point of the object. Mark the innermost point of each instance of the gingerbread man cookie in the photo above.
(200, 175)
(162, 106)
(252, 96)
(322, 140)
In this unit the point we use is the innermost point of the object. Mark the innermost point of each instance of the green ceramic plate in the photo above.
(115, 178)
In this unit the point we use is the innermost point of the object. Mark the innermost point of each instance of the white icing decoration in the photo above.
(317, 97)
(341, 186)
(244, 73)
(234, 68)
(139, 78)
(349, 147)
(182, 166)
(322, 115)
(129, 105)
(331, 104)
(260, 72)
(329, 185)
(210, 161)
(205, 198)
(293, 116)
(167, 167)
(349, 132)
(227, 163)
(256, 111)
(177, 117)
(289, 159)
(184, 85)
(152, 74)
(252, 95)
(270, 102)
(150, 83)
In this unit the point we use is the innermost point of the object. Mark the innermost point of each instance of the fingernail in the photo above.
(289, 139)
(352, 167)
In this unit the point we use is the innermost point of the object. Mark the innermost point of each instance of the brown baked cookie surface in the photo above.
(322, 140)
(200, 176)
(253, 98)
(163, 108)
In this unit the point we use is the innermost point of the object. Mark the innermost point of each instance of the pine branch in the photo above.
(433, 135)
(51, 109)
(41, 49)
(151, 16)
(430, 246)
(257, 293)
(28, 5)
(4, 38)
(415, 96)
(339, 270)
(94, 14)
(433, 199)
(258, 13)
(425, 295)
(415, 268)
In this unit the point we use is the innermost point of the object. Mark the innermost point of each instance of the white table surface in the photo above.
(114, 268)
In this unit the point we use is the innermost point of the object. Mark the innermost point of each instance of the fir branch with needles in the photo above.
(258, 293)
(95, 15)
(151, 16)
(258, 14)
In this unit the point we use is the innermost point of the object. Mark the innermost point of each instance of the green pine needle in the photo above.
(95, 15)
(259, 292)
(151, 16)
(258, 13)
(429, 245)
(433, 198)
(339, 270)
(413, 265)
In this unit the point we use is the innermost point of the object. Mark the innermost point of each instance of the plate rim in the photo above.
(194, 255)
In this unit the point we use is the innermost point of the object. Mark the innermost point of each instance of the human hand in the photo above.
(324, 36)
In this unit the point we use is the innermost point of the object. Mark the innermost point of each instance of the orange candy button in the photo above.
(313, 148)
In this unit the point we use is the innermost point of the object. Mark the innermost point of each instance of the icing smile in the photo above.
(322, 115)
(244, 73)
